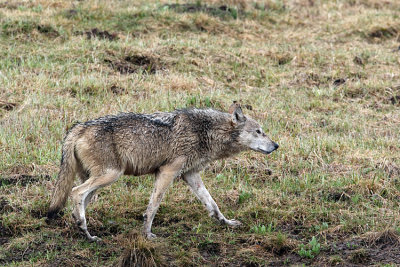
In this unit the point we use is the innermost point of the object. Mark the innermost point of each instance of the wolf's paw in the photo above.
(94, 239)
(150, 235)
(233, 223)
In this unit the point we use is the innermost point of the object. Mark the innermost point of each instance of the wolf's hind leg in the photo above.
(196, 184)
(81, 196)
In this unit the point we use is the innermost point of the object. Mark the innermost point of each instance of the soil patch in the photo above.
(4, 235)
(38, 214)
(209, 249)
(48, 31)
(336, 195)
(7, 105)
(23, 179)
(395, 100)
(135, 63)
(338, 82)
(222, 11)
(96, 33)
(382, 247)
(4, 205)
(70, 13)
(382, 33)
(117, 90)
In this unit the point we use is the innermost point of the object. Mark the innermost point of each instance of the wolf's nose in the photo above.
(276, 145)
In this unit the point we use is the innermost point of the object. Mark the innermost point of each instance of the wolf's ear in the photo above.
(237, 113)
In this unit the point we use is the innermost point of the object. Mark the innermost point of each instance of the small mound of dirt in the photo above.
(5, 206)
(38, 214)
(4, 235)
(136, 63)
(382, 33)
(70, 13)
(210, 249)
(279, 247)
(359, 256)
(117, 90)
(359, 60)
(96, 33)
(395, 100)
(337, 195)
(388, 237)
(48, 31)
(7, 105)
(220, 11)
(338, 82)
(27, 27)
(23, 179)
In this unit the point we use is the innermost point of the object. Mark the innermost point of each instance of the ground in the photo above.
(321, 76)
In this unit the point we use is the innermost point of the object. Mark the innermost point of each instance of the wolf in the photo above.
(168, 144)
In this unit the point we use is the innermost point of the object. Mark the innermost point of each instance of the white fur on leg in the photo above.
(198, 188)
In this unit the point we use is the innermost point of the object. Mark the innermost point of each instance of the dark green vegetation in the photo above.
(322, 76)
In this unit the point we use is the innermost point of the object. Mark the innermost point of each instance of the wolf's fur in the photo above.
(180, 143)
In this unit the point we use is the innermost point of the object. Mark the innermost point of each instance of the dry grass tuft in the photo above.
(388, 237)
(139, 252)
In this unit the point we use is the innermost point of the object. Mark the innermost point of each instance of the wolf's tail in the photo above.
(66, 175)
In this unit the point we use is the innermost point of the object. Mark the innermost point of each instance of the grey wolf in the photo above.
(167, 144)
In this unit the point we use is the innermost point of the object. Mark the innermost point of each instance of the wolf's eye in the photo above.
(258, 131)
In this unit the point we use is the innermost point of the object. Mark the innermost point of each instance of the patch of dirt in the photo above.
(390, 168)
(311, 79)
(35, 247)
(381, 247)
(70, 13)
(28, 27)
(136, 63)
(4, 235)
(7, 105)
(96, 33)
(247, 106)
(117, 90)
(279, 247)
(336, 195)
(382, 33)
(395, 100)
(48, 30)
(23, 179)
(209, 249)
(38, 214)
(73, 260)
(4, 205)
(21, 254)
(359, 61)
(338, 82)
(12, 4)
(105, 229)
(222, 11)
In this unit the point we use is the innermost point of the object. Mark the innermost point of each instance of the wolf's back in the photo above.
(66, 175)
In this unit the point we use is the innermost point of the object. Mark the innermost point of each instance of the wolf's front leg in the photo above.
(198, 188)
(164, 178)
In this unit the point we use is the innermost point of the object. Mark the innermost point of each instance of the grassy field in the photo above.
(321, 76)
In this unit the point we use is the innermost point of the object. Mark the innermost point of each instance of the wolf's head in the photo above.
(251, 135)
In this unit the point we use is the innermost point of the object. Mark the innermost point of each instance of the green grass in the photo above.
(320, 76)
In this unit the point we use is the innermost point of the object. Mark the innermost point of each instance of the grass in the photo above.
(321, 76)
